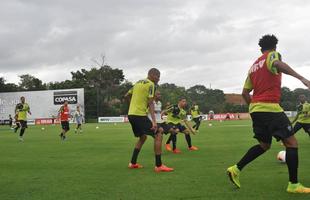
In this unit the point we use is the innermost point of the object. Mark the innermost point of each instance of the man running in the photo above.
(64, 115)
(21, 110)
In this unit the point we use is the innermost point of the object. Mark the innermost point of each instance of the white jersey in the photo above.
(157, 110)
(78, 116)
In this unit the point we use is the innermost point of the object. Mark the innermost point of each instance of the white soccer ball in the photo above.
(43, 128)
(97, 127)
(210, 124)
(281, 156)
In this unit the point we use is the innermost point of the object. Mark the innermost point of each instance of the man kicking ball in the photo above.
(269, 119)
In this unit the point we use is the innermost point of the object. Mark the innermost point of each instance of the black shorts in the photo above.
(22, 123)
(197, 119)
(175, 126)
(65, 125)
(141, 125)
(268, 124)
(299, 125)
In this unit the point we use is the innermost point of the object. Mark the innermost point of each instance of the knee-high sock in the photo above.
(188, 140)
(251, 155)
(292, 163)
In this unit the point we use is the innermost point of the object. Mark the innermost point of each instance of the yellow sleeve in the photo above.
(248, 84)
(271, 58)
(130, 91)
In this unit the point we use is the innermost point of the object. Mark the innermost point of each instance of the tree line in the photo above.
(105, 87)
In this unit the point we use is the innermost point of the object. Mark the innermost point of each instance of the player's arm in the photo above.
(189, 127)
(247, 88)
(286, 69)
(128, 95)
(28, 110)
(151, 106)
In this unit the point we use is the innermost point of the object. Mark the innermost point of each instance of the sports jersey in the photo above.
(141, 92)
(265, 81)
(21, 111)
(175, 114)
(304, 113)
(64, 113)
(195, 111)
(157, 110)
(78, 115)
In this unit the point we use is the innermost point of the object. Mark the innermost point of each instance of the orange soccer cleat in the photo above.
(134, 166)
(163, 168)
(168, 147)
(176, 151)
(193, 148)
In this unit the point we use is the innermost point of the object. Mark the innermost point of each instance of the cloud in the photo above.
(192, 42)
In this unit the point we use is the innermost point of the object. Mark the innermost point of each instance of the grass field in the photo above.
(93, 165)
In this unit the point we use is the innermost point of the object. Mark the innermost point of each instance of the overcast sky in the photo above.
(191, 42)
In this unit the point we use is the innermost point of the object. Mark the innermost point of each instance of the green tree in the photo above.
(31, 83)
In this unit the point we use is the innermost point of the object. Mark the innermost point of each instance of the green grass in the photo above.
(94, 166)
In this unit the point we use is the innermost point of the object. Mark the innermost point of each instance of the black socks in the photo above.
(188, 140)
(292, 163)
(135, 156)
(251, 155)
(158, 160)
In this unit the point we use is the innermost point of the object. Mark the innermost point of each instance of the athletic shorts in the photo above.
(197, 119)
(22, 123)
(267, 125)
(175, 126)
(299, 125)
(65, 125)
(141, 125)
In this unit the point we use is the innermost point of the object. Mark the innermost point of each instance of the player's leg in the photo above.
(198, 123)
(174, 133)
(17, 126)
(23, 125)
(292, 163)
(136, 151)
(188, 138)
(159, 167)
(306, 128)
(297, 127)
(264, 138)
(138, 125)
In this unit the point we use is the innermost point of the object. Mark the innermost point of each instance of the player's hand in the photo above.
(306, 82)
(154, 126)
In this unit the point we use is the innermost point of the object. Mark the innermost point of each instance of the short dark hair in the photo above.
(268, 42)
(153, 71)
(181, 98)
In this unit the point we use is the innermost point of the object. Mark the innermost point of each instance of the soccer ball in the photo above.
(210, 124)
(97, 127)
(43, 128)
(281, 156)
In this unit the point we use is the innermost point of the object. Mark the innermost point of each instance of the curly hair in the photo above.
(268, 42)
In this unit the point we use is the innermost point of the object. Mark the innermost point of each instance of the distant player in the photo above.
(176, 117)
(64, 115)
(195, 112)
(78, 118)
(141, 103)
(10, 121)
(303, 115)
(269, 119)
(21, 110)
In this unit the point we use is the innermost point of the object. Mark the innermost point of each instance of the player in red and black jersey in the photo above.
(64, 115)
(269, 119)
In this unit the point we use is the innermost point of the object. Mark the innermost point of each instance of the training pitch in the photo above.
(93, 165)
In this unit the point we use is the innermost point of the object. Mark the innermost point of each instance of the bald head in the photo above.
(154, 75)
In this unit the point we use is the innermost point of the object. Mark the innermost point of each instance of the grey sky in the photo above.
(191, 42)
